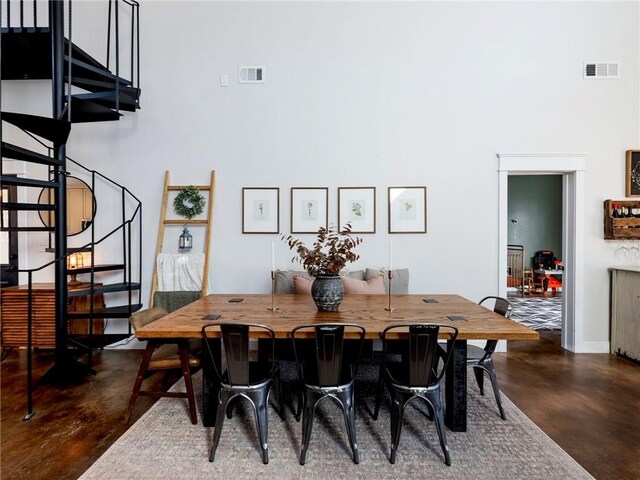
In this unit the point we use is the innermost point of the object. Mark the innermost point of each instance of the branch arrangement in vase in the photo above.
(331, 251)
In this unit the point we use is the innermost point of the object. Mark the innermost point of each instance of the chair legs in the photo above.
(223, 401)
(345, 400)
(186, 373)
(308, 410)
(398, 402)
(487, 366)
(438, 417)
(259, 401)
(142, 371)
(144, 364)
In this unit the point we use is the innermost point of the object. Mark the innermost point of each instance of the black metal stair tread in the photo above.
(77, 52)
(27, 182)
(120, 311)
(99, 71)
(19, 153)
(96, 268)
(127, 106)
(52, 129)
(109, 288)
(107, 99)
(88, 111)
(27, 229)
(99, 86)
(27, 206)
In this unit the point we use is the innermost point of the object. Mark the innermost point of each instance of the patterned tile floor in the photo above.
(537, 312)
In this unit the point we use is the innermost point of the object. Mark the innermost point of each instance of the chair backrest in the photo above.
(501, 306)
(145, 317)
(329, 349)
(421, 353)
(172, 301)
(235, 340)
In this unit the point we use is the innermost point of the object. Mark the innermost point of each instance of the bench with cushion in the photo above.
(357, 281)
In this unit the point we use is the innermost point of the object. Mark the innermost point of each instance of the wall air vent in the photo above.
(251, 75)
(601, 70)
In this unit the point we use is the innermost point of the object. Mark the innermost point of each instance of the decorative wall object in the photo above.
(407, 209)
(260, 210)
(357, 206)
(309, 209)
(633, 174)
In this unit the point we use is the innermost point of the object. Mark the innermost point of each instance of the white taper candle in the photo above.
(273, 257)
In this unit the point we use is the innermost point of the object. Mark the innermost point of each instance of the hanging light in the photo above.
(186, 240)
(74, 261)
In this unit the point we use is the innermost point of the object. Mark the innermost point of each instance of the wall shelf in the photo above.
(627, 228)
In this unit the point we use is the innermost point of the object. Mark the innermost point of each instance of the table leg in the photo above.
(210, 382)
(456, 388)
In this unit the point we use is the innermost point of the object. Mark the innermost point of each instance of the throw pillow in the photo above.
(302, 285)
(357, 274)
(399, 284)
(375, 286)
(284, 280)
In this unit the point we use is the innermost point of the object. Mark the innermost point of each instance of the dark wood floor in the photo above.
(587, 403)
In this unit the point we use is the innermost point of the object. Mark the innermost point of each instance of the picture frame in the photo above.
(260, 210)
(357, 205)
(632, 175)
(407, 209)
(309, 209)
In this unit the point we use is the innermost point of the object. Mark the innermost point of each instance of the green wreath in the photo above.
(189, 202)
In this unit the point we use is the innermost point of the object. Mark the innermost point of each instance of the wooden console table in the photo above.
(15, 307)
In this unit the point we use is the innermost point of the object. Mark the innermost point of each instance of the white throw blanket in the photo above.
(180, 271)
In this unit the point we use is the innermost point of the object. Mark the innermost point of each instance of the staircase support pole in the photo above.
(56, 23)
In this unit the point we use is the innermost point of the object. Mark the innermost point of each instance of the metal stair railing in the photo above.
(30, 271)
(127, 251)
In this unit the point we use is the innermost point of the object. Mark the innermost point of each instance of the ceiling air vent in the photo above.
(601, 70)
(251, 75)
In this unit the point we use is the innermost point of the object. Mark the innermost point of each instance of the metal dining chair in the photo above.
(242, 378)
(327, 370)
(480, 359)
(417, 375)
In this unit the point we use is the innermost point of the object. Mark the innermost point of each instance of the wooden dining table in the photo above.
(472, 321)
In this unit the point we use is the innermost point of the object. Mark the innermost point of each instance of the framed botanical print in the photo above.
(260, 210)
(309, 209)
(632, 182)
(407, 209)
(357, 206)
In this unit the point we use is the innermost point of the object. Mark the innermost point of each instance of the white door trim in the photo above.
(571, 166)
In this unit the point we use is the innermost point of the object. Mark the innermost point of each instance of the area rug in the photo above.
(164, 445)
(537, 313)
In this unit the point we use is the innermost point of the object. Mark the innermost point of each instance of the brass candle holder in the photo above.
(390, 277)
(273, 307)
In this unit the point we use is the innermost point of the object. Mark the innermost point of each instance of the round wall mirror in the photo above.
(81, 206)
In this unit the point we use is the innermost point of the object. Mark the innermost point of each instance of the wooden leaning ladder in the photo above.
(208, 222)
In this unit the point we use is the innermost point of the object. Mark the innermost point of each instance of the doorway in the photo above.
(571, 167)
(535, 250)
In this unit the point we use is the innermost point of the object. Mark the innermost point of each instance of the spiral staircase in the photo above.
(34, 47)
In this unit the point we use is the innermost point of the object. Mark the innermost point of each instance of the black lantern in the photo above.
(186, 240)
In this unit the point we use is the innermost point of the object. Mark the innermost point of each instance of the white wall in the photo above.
(370, 94)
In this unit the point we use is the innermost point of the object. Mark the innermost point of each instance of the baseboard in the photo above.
(593, 347)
